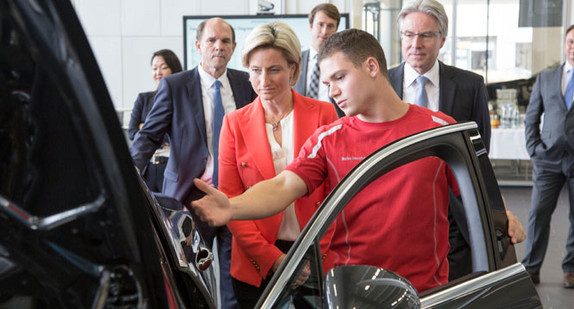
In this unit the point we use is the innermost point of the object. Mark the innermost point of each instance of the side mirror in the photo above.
(358, 286)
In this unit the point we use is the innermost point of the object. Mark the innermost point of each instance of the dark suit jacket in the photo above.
(178, 111)
(301, 85)
(557, 134)
(462, 95)
(141, 109)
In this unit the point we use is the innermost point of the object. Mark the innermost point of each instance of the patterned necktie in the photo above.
(569, 92)
(314, 85)
(422, 98)
(218, 113)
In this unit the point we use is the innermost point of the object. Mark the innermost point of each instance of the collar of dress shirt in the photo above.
(567, 67)
(207, 79)
(312, 54)
(411, 75)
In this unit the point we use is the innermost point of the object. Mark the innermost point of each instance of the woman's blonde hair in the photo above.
(277, 35)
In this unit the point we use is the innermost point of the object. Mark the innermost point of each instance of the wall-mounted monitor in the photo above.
(243, 25)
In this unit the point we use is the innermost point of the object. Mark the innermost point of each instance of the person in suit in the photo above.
(184, 109)
(550, 144)
(164, 62)
(257, 142)
(458, 93)
(323, 22)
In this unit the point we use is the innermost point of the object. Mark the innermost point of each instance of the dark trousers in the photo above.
(247, 295)
(153, 176)
(548, 179)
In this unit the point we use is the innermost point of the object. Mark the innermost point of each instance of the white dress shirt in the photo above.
(432, 86)
(566, 75)
(228, 100)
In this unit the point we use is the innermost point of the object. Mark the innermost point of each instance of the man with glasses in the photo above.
(423, 80)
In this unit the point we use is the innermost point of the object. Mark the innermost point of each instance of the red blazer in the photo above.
(244, 160)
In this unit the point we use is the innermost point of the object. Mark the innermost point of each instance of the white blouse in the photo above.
(283, 156)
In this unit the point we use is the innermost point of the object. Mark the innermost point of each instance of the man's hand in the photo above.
(214, 208)
(303, 276)
(515, 229)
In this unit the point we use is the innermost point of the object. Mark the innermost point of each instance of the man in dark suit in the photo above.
(323, 22)
(458, 93)
(551, 149)
(183, 108)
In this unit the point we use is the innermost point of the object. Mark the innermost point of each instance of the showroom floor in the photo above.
(550, 289)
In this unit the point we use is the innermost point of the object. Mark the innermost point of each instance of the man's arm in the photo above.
(263, 200)
(534, 110)
(157, 122)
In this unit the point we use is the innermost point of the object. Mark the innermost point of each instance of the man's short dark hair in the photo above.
(357, 45)
(201, 26)
(568, 30)
(329, 9)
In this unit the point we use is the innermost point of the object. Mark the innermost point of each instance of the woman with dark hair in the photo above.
(164, 62)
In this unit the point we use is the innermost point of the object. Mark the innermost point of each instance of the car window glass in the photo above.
(409, 233)
(42, 165)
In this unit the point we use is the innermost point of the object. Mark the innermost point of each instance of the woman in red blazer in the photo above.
(256, 143)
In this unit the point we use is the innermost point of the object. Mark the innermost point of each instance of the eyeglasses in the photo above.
(424, 36)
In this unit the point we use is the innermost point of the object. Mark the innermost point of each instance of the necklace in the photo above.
(275, 125)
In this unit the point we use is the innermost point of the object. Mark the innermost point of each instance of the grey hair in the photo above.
(430, 7)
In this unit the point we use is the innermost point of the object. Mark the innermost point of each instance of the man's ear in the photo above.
(198, 46)
(372, 65)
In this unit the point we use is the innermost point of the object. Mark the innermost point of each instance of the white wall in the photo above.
(124, 34)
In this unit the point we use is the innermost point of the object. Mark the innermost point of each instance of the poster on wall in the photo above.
(266, 7)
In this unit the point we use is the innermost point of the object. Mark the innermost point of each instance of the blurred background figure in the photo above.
(324, 20)
(163, 63)
(258, 142)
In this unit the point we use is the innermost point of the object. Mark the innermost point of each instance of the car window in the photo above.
(40, 138)
(472, 180)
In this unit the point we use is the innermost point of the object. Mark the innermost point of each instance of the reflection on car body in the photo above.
(79, 229)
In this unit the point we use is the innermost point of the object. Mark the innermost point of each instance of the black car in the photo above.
(79, 229)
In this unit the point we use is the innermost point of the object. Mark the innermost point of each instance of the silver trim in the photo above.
(363, 167)
(53, 221)
(473, 285)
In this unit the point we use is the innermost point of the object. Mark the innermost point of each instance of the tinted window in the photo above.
(42, 166)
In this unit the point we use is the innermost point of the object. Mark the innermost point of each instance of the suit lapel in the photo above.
(447, 90)
(556, 85)
(397, 79)
(194, 92)
(237, 90)
(304, 64)
(254, 133)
